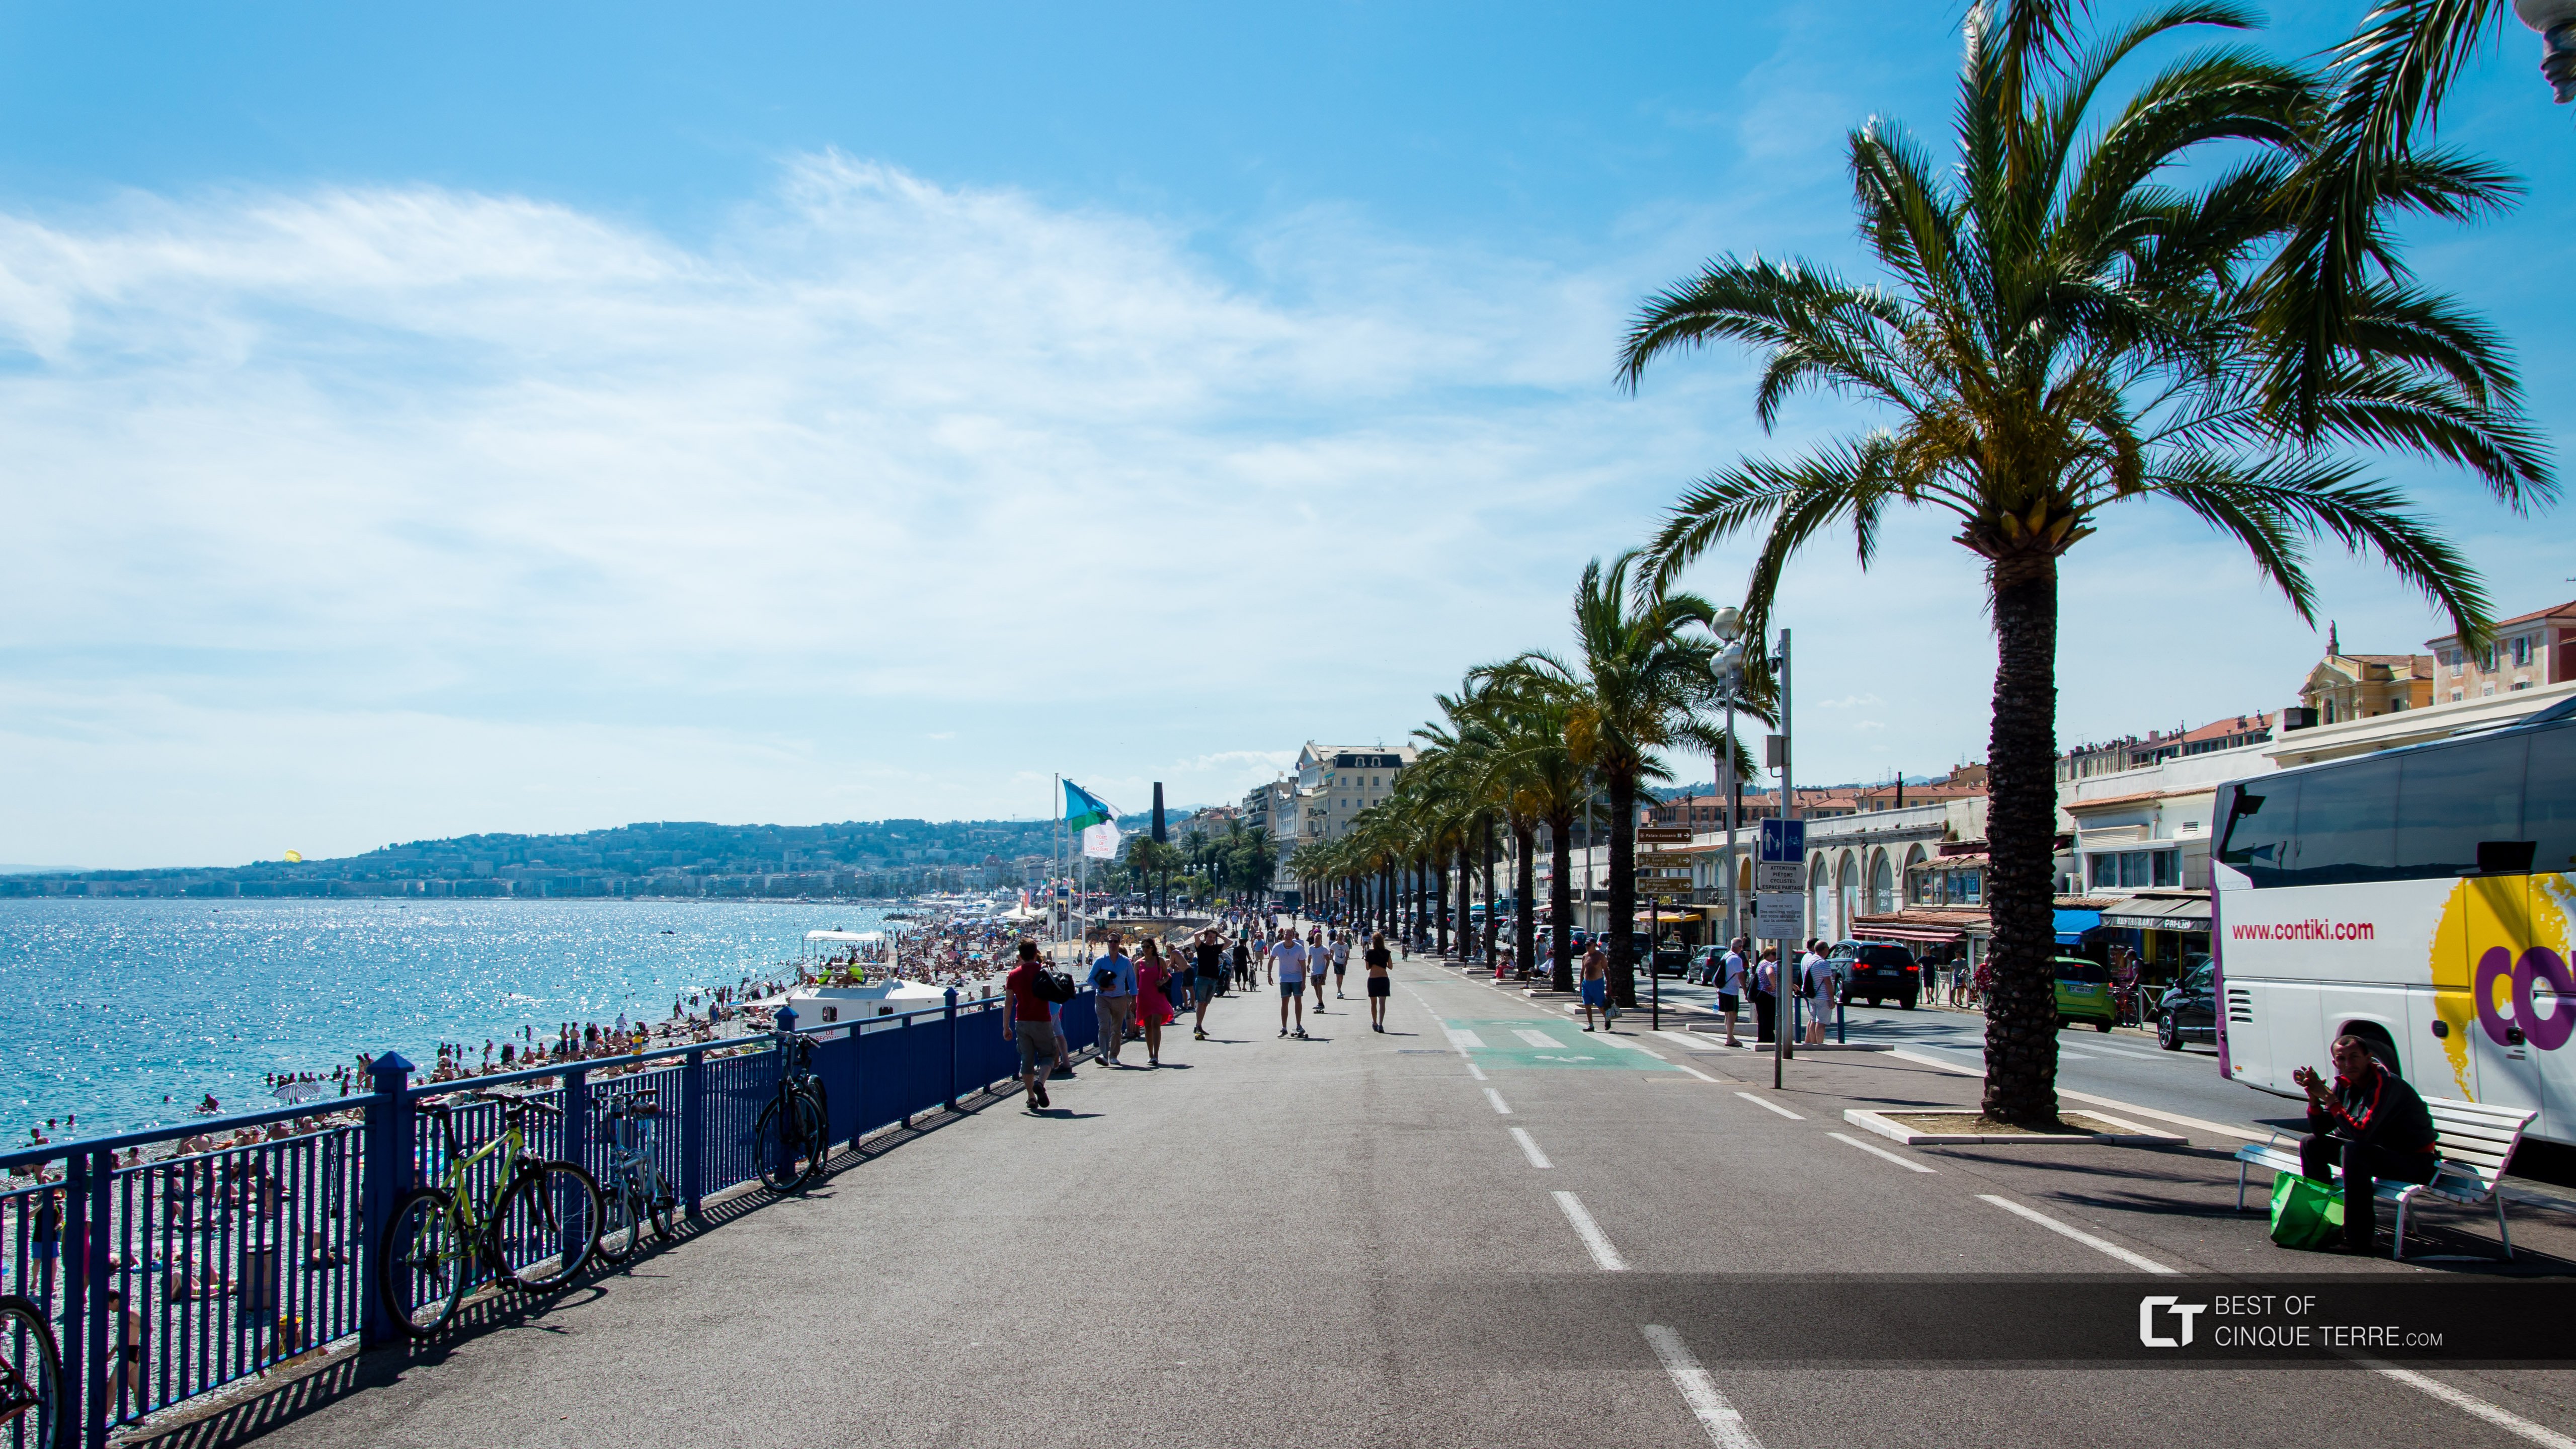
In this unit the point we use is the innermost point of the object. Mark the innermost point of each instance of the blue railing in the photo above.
(228, 1262)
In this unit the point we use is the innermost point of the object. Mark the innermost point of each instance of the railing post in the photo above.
(952, 1048)
(384, 1171)
(576, 1149)
(693, 1128)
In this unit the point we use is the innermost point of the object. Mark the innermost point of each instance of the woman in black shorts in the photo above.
(1380, 986)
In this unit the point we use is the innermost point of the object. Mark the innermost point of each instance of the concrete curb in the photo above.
(2130, 1134)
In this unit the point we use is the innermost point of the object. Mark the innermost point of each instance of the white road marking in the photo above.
(2505, 1419)
(1463, 1039)
(1497, 1099)
(1591, 1234)
(1694, 1071)
(1770, 1106)
(1692, 1040)
(2134, 1260)
(1477, 1072)
(1726, 1428)
(1529, 1148)
(1909, 1164)
(1539, 1039)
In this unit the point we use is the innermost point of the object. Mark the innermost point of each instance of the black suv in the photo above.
(2188, 1010)
(1873, 971)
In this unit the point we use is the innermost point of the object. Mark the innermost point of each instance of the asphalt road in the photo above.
(1482, 1228)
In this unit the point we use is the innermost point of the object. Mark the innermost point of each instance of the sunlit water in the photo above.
(113, 1005)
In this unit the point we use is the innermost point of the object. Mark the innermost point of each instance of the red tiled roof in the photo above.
(2558, 611)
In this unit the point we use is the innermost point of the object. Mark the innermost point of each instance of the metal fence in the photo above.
(168, 1278)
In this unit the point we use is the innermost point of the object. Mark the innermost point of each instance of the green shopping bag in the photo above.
(2306, 1213)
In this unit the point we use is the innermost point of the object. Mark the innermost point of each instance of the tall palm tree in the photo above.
(1541, 784)
(2066, 325)
(1634, 689)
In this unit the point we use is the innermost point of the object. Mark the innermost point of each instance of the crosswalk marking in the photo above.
(1538, 1039)
(1465, 1040)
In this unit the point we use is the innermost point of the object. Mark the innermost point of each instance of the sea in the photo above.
(126, 1013)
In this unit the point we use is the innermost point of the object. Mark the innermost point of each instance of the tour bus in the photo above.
(2419, 899)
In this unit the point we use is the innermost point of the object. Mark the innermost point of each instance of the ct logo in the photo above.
(2545, 1033)
(2184, 1312)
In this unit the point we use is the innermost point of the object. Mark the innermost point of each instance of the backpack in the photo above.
(1056, 986)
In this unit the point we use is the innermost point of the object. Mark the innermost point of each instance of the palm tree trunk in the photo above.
(1623, 886)
(1560, 903)
(2021, 834)
(1493, 915)
(1525, 910)
(1466, 894)
(1440, 899)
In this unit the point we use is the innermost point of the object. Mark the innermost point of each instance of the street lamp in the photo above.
(2556, 22)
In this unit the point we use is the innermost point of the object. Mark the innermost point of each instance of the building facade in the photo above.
(2530, 651)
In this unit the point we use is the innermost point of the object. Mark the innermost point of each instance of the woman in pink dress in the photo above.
(1153, 1000)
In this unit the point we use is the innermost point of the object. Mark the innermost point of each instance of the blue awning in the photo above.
(2071, 925)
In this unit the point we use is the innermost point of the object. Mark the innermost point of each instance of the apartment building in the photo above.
(2529, 651)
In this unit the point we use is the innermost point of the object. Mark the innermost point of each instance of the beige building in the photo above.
(2529, 651)
(2364, 686)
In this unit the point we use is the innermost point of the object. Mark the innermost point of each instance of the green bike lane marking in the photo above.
(1515, 1041)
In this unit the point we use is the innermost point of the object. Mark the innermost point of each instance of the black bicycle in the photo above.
(33, 1414)
(793, 1135)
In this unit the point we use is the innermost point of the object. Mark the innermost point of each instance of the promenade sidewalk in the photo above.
(1351, 1240)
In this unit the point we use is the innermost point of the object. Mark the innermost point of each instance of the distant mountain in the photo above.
(7, 869)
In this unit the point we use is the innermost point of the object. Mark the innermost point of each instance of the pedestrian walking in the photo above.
(1818, 989)
(1031, 1025)
(1318, 964)
(1153, 1000)
(1766, 995)
(1243, 963)
(1375, 961)
(1730, 990)
(1288, 962)
(1211, 974)
(1113, 979)
(1596, 986)
(1341, 961)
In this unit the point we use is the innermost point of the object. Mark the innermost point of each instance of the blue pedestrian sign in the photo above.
(1784, 839)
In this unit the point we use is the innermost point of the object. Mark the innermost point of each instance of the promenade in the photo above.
(1482, 1228)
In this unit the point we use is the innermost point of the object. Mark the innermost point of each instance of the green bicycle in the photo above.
(534, 1231)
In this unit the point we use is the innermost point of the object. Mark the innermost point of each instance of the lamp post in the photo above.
(2556, 22)
(1729, 626)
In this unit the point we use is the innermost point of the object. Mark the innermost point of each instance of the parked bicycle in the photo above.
(33, 1412)
(793, 1135)
(635, 1193)
(534, 1230)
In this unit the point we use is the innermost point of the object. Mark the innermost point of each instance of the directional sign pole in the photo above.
(1783, 1012)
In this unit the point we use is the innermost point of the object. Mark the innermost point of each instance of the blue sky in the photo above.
(441, 419)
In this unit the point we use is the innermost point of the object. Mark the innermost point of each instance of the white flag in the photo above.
(1100, 842)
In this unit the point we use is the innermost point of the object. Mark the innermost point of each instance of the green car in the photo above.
(2083, 993)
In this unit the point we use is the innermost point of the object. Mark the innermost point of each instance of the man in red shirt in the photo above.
(1030, 1024)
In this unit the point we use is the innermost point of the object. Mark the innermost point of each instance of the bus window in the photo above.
(2549, 799)
(2454, 799)
(2347, 827)
(2262, 817)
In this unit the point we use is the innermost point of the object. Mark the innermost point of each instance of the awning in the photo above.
(1909, 935)
(2159, 913)
(2071, 925)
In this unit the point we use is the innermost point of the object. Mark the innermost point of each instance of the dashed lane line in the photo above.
(2138, 1261)
(1768, 1105)
(1726, 1427)
(1477, 1072)
(1909, 1164)
(1529, 1148)
(1597, 1241)
(1497, 1099)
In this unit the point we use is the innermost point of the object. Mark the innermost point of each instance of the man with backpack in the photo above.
(1030, 1022)
(1211, 975)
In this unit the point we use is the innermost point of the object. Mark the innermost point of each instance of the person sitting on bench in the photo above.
(2371, 1124)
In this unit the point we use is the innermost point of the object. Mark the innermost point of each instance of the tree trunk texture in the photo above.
(1440, 900)
(1466, 894)
(1493, 915)
(2021, 834)
(1560, 903)
(1621, 926)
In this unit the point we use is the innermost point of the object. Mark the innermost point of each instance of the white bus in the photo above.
(2419, 899)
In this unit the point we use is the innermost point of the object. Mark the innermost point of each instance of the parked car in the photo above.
(2084, 993)
(2188, 1010)
(1877, 971)
(1707, 966)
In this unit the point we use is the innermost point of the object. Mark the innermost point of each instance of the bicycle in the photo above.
(793, 1135)
(539, 1210)
(31, 1379)
(636, 1192)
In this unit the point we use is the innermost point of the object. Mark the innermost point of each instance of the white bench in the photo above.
(2476, 1142)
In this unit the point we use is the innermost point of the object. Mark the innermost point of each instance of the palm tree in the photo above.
(2066, 325)
(1635, 690)
(1541, 783)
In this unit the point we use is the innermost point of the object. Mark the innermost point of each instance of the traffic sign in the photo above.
(1784, 839)
(1775, 875)
(1779, 916)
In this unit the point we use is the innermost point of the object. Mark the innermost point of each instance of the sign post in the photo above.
(1657, 859)
(1784, 841)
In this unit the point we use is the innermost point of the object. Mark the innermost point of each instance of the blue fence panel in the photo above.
(256, 1244)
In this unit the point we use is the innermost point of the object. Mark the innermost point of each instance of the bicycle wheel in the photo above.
(544, 1229)
(622, 1212)
(658, 1196)
(31, 1379)
(424, 1265)
(818, 1128)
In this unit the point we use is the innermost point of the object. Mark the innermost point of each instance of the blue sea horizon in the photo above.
(121, 1002)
